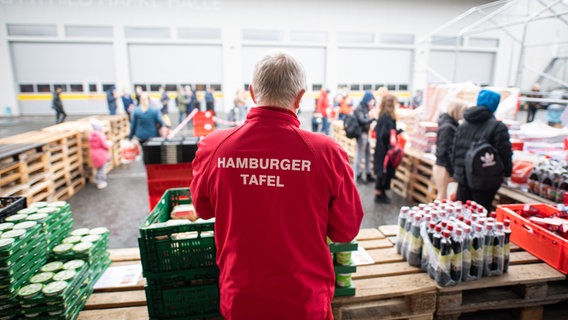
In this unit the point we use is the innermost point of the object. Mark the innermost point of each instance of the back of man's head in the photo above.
(277, 79)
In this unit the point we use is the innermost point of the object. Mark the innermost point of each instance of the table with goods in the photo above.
(475, 264)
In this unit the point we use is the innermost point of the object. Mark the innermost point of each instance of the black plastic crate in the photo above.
(170, 151)
(11, 205)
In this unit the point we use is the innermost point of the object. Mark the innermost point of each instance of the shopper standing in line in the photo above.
(99, 152)
(323, 108)
(57, 105)
(181, 101)
(164, 100)
(277, 192)
(127, 102)
(480, 124)
(447, 125)
(210, 99)
(111, 100)
(145, 120)
(363, 151)
(386, 123)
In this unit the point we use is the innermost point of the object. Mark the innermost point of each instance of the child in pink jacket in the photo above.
(99, 152)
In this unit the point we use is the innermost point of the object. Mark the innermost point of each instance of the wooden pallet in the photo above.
(524, 291)
(526, 288)
(388, 289)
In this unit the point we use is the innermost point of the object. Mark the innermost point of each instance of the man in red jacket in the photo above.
(276, 191)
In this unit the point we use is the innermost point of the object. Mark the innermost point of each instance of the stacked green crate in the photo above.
(22, 252)
(343, 267)
(57, 292)
(178, 261)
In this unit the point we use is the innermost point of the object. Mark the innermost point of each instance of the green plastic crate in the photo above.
(168, 300)
(161, 251)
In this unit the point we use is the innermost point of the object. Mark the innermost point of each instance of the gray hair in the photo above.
(277, 79)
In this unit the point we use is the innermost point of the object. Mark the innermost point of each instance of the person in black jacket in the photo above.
(363, 148)
(57, 105)
(447, 126)
(476, 119)
(386, 122)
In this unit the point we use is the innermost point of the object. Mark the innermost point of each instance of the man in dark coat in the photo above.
(474, 128)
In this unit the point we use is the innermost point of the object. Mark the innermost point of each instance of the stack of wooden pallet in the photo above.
(54, 163)
(50, 168)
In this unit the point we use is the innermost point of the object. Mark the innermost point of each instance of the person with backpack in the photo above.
(361, 113)
(482, 153)
(447, 125)
(384, 170)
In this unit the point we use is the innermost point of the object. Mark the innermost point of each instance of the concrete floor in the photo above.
(123, 205)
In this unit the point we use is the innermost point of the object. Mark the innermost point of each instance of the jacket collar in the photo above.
(276, 113)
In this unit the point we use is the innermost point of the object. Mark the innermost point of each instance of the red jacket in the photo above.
(322, 103)
(99, 148)
(276, 192)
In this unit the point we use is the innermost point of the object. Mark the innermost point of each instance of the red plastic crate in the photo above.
(162, 177)
(535, 239)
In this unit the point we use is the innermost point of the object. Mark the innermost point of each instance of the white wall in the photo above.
(284, 21)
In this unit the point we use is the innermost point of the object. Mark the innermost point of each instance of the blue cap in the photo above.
(368, 96)
(489, 99)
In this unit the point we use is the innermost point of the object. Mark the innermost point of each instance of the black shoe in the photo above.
(370, 178)
(360, 179)
(382, 199)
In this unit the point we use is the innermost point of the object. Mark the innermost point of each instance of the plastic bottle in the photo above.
(506, 244)
(427, 246)
(476, 250)
(498, 249)
(443, 277)
(436, 243)
(488, 249)
(534, 181)
(561, 190)
(401, 232)
(457, 256)
(546, 184)
(415, 244)
(466, 253)
(406, 240)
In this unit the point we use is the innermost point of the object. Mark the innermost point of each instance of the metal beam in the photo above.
(554, 11)
(549, 77)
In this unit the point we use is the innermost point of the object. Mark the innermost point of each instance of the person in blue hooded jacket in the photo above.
(363, 149)
(480, 123)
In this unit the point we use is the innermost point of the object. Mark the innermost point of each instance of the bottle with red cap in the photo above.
(436, 245)
(466, 253)
(414, 251)
(498, 250)
(477, 250)
(489, 236)
(457, 256)
(443, 277)
(427, 246)
(401, 232)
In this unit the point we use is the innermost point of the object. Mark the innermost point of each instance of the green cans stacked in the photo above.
(57, 291)
(22, 252)
(89, 245)
(343, 267)
(56, 219)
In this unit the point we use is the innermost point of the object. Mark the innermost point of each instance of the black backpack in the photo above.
(352, 126)
(484, 169)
